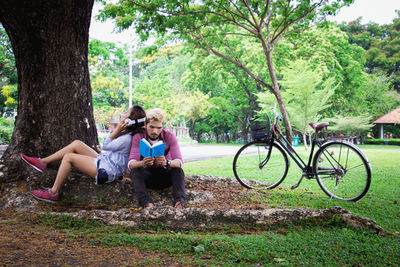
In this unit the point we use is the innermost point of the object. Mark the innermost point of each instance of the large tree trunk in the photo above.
(50, 44)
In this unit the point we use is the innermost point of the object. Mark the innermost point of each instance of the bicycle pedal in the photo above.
(294, 186)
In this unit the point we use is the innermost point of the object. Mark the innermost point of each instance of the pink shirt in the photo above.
(172, 150)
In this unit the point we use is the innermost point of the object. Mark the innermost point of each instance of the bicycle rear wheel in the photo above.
(342, 171)
(260, 165)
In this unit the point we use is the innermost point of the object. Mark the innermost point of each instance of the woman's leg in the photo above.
(83, 163)
(76, 146)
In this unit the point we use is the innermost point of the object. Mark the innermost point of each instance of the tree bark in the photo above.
(50, 44)
(192, 124)
(277, 92)
(245, 126)
(198, 137)
(305, 141)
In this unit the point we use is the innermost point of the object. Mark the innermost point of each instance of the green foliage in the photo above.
(327, 50)
(107, 59)
(6, 129)
(394, 141)
(160, 85)
(350, 125)
(221, 117)
(305, 93)
(215, 76)
(10, 94)
(108, 91)
(108, 65)
(382, 45)
(379, 98)
(8, 71)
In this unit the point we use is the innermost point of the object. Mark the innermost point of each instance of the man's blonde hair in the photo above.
(155, 114)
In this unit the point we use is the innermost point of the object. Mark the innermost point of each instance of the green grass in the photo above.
(381, 203)
(314, 245)
(309, 243)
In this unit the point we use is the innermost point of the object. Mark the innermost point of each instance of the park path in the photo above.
(194, 152)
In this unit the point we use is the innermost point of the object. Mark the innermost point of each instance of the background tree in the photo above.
(159, 82)
(109, 91)
(327, 50)
(382, 45)
(219, 78)
(8, 73)
(306, 95)
(109, 60)
(210, 24)
(221, 118)
(350, 125)
(195, 106)
(379, 97)
(50, 44)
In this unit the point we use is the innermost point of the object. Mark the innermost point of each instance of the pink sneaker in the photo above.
(45, 195)
(34, 163)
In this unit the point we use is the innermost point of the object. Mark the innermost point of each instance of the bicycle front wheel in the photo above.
(260, 165)
(342, 171)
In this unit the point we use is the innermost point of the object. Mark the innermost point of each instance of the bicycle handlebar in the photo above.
(276, 114)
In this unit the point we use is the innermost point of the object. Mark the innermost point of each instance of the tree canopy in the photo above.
(212, 25)
(212, 76)
(382, 45)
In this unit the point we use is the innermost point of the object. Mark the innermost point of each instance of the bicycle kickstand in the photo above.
(298, 183)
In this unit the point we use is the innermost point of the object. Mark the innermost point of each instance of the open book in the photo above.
(148, 150)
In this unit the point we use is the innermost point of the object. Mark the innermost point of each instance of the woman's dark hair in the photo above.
(136, 113)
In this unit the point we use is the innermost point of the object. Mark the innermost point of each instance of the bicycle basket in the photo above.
(260, 129)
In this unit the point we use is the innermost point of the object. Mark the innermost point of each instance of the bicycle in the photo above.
(340, 167)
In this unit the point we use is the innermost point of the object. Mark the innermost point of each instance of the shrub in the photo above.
(6, 129)
(395, 142)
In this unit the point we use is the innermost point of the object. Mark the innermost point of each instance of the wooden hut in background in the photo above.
(389, 118)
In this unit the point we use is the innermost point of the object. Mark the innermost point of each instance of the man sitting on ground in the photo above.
(161, 171)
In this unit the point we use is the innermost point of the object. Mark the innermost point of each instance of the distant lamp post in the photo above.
(132, 47)
(130, 75)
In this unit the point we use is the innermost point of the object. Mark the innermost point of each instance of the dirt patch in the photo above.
(224, 196)
(23, 243)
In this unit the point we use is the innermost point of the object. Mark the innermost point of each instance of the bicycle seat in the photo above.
(318, 126)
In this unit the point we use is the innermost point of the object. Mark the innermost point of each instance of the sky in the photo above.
(378, 11)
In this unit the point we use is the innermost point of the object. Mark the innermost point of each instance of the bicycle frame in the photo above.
(287, 146)
(307, 169)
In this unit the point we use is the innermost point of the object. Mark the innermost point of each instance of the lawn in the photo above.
(309, 243)
(381, 203)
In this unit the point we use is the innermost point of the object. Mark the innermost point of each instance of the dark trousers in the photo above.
(158, 178)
